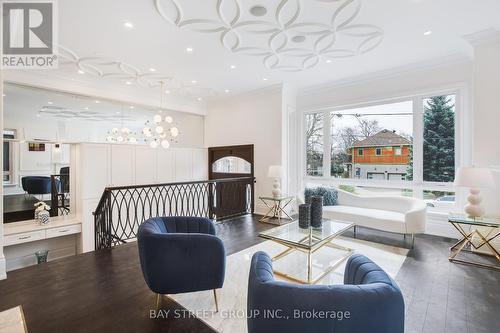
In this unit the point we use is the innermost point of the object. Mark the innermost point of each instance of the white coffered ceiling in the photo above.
(213, 48)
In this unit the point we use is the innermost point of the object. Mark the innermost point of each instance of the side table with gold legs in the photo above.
(276, 208)
(480, 234)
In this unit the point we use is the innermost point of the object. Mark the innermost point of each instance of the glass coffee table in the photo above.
(308, 241)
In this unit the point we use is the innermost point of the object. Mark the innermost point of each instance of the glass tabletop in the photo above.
(280, 198)
(479, 221)
(291, 234)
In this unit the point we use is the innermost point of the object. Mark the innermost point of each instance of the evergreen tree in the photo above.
(439, 139)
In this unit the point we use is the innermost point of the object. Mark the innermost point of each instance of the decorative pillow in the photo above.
(329, 194)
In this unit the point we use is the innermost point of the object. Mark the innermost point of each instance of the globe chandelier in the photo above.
(122, 134)
(162, 131)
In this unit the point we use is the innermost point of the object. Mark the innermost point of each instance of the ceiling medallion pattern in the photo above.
(109, 68)
(289, 35)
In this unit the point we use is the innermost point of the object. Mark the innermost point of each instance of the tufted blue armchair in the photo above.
(369, 301)
(181, 255)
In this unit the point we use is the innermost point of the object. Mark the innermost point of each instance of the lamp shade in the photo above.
(275, 171)
(474, 177)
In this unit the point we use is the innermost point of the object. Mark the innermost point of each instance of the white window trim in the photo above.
(463, 141)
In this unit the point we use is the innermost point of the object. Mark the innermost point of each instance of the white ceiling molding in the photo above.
(451, 60)
(490, 35)
(109, 68)
(283, 33)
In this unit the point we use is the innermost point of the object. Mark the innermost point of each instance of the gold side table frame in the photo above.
(276, 208)
(309, 245)
(467, 242)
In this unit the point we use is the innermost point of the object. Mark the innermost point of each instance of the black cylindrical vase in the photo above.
(316, 211)
(304, 216)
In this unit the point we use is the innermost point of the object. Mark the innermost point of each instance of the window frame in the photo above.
(361, 152)
(377, 150)
(463, 142)
(398, 151)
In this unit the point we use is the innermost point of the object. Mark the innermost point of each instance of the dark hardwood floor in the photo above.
(105, 292)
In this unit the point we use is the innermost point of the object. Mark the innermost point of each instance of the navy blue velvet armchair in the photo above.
(180, 255)
(369, 301)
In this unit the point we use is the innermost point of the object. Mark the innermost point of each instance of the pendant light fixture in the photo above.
(162, 130)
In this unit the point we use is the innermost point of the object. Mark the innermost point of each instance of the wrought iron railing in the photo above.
(59, 194)
(122, 209)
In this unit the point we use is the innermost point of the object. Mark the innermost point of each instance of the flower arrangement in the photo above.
(42, 212)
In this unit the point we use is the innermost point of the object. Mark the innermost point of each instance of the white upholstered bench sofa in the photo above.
(401, 215)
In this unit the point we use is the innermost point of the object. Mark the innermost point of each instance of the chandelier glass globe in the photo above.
(153, 144)
(159, 129)
(165, 144)
(174, 132)
(157, 118)
(169, 119)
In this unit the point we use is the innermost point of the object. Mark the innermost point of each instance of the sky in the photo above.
(399, 117)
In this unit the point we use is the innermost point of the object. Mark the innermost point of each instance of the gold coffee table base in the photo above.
(310, 279)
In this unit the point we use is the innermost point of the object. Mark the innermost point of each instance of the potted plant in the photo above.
(42, 214)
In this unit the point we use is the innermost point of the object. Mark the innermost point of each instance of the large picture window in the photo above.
(407, 146)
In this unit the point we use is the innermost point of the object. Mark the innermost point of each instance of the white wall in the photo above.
(253, 118)
(486, 83)
(96, 166)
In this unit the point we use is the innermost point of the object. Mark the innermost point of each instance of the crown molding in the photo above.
(251, 94)
(454, 59)
(486, 36)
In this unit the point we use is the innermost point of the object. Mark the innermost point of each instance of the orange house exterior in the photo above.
(388, 155)
(384, 156)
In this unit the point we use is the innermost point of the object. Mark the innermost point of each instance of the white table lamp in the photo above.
(474, 178)
(276, 172)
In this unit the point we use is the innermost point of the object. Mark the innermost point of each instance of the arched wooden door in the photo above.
(232, 198)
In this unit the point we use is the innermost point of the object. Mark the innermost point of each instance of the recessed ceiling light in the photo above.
(199, 99)
(131, 107)
(167, 91)
(227, 90)
(152, 70)
(232, 66)
(428, 33)
(265, 79)
(128, 82)
(258, 10)
(328, 61)
(50, 103)
(189, 49)
(81, 72)
(128, 25)
(86, 108)
(97, 102)
(194, 81)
